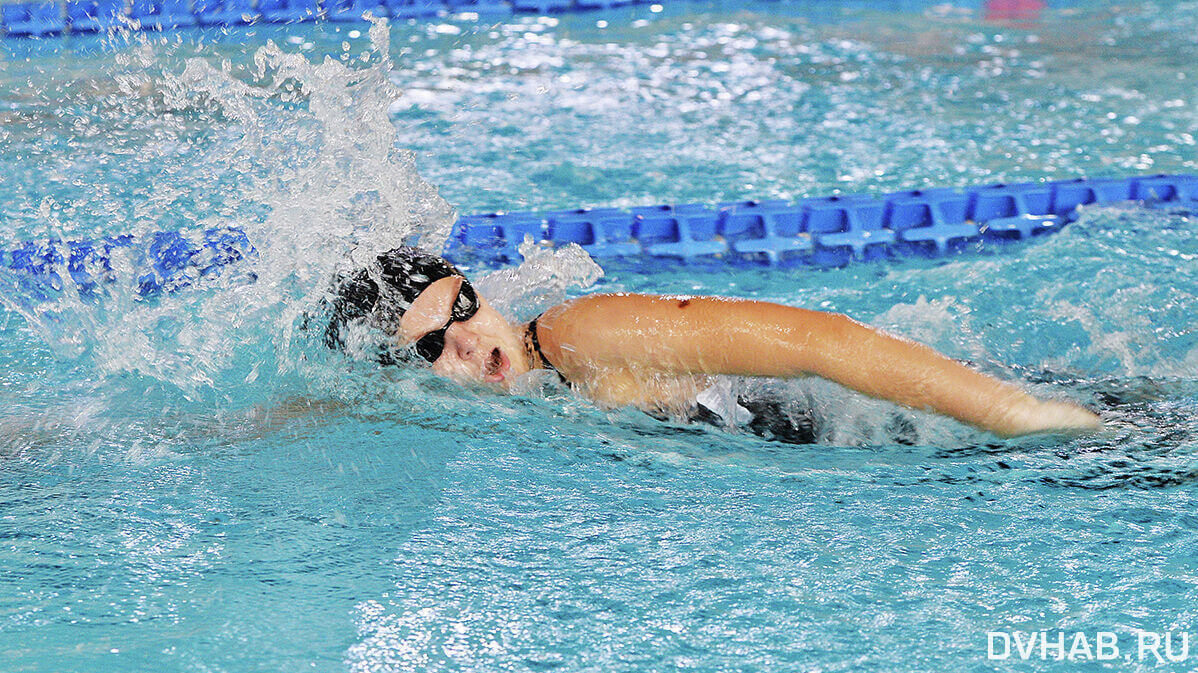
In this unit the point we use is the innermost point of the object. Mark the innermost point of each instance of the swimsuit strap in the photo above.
(536, 348)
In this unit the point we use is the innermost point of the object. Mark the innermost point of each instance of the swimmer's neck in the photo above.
(530, 344)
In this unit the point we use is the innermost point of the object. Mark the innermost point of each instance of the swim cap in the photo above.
(381, 293)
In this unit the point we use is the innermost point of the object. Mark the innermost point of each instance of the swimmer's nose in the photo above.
(464, 341)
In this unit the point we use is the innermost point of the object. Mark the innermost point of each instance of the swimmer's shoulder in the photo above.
(600, 323)
(598, 344)
(569, 334)
(624, 306)
(613, 322)
(589, 337)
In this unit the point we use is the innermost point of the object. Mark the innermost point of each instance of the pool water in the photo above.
(190, 484)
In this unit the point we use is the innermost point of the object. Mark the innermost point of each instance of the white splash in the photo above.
(302, 156)
(542, 279)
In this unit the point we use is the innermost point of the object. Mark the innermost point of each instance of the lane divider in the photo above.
(830, 231)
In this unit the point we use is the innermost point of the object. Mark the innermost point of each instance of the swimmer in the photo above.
(660, 353)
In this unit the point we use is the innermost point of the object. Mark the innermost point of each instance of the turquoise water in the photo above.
(191, 485)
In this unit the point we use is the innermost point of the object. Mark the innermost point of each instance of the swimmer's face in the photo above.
(485, 348)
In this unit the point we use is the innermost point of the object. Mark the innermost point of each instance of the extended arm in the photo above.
(702, 335)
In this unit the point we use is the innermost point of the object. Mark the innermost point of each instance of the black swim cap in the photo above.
(381, 293)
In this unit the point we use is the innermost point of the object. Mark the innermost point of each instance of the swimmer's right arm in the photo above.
(705, 335)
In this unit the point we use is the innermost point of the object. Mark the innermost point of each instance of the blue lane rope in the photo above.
(827, 231)
(41, 18)
(830, 231)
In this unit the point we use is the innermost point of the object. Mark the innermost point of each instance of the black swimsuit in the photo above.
(768, 417)
(536, 348)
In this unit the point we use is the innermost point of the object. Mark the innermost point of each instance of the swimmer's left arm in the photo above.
(705, 335)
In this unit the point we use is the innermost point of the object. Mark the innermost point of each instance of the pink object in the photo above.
(1013, 10)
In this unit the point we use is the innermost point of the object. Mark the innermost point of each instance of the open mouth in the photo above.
(497, 365)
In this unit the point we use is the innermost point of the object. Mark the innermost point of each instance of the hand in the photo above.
(1055, 416)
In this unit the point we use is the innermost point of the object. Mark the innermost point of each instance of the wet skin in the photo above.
(657, 352)
(485, 348)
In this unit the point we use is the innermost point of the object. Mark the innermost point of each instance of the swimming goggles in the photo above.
(465, 305)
